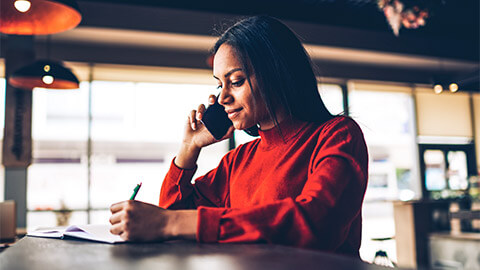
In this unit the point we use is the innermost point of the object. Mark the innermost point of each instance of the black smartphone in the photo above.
(216, 120)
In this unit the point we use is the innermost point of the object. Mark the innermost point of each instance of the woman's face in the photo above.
(244, 109)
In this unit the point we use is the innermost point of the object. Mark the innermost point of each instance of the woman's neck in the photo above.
(269, 123)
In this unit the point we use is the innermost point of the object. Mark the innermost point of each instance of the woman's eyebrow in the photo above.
(229, 73)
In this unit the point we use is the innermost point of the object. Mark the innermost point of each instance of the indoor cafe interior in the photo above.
(130, 71)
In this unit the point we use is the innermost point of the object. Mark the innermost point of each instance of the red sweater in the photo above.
(304, 188)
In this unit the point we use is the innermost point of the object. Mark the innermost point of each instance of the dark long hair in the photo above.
(271, 51)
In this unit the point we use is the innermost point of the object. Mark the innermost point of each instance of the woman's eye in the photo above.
(238, 83)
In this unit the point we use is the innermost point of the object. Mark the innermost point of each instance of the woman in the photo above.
(301, 183)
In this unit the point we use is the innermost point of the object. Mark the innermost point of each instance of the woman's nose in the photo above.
(224, 97)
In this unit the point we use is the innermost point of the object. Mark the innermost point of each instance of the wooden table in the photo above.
(42, 253)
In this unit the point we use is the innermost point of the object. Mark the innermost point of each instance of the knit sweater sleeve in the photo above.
(320, 217)
(211, 189)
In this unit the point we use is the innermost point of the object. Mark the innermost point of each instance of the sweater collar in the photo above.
(281, 134)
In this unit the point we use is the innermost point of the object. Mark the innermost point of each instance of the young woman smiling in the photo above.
(301, 183)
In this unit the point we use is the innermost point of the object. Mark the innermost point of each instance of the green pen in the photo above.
(135, 191)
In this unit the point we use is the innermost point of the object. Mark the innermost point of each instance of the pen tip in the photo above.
(140, 183)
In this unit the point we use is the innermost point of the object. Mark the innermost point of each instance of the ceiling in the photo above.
(346, 38)
(450, 21)
(339, 31)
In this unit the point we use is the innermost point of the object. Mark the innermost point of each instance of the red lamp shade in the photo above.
(44, 74)
(40, 17)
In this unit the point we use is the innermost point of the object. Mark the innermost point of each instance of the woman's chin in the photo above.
(240, 125)
(237, 126)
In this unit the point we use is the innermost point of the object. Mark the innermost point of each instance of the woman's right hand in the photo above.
(196, 134)
(196, 137)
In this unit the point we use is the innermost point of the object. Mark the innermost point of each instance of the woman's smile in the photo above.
(232, 113)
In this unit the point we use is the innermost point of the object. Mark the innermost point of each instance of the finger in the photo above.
(124, 236)
(117, 207)
(212, 99)
(117, 229)
(116, 218)
(200, 111)
(193, 121)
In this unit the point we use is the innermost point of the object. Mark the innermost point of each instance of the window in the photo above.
(386, 115)
(135, 139)
(135, 131)
(434, 170)
(387, 121)
(59, 164)
(332, 97)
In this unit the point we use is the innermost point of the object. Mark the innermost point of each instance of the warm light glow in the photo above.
(47, 79)
(46, 68)
(22, 5)
(453, 87)
(38, 17)
(437, 89)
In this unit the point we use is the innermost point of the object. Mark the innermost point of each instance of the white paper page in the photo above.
(54, 232)
(94, 232)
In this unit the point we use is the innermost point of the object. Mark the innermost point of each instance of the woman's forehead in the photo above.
(225, 60)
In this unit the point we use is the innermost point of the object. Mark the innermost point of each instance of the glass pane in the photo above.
(114, 181)
(100, 217)
(457, 170)
(37, 220)
(387, 121)
(434, 170)
(60, 115)
(112, 110)
(47, 219)
(136, 138)
(57, 185)
(332, 96)
(136, 131)
(57, 177)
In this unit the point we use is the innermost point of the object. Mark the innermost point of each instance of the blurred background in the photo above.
(409, 77)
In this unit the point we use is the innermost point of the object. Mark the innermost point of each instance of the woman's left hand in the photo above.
(139, 221)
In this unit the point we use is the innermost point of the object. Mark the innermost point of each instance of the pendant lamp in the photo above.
(38, 17)
(45, 74)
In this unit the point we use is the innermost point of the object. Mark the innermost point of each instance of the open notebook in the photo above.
(92, 232)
